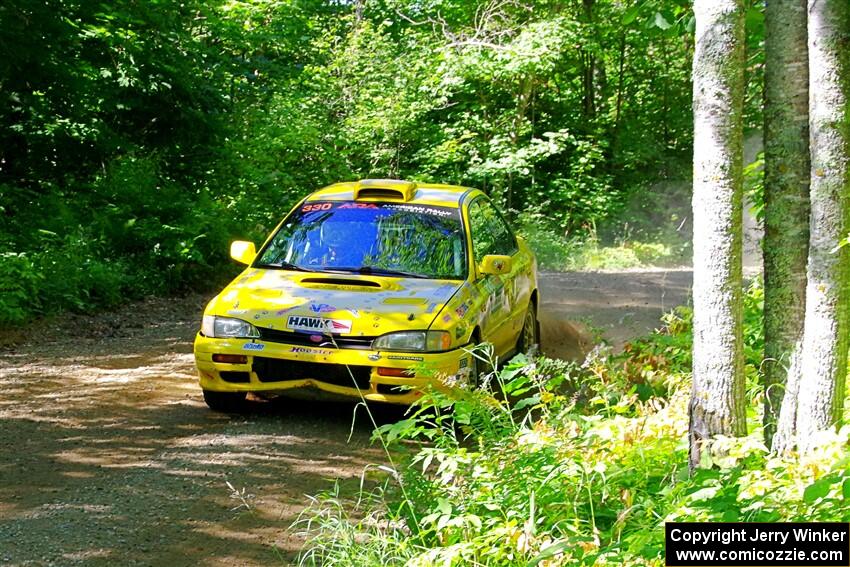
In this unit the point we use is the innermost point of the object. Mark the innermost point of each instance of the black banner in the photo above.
(807, 544)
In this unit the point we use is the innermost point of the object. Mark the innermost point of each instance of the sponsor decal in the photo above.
(462, 308)
(431, 308)
(322, 324)
(405, 300)
(447, 318)
(423, 210)
(317, 338)
(316, 207)
(308, 350)
(358, 206)
(237, 311)
(253, 346)
(321, 308)
(401, 357)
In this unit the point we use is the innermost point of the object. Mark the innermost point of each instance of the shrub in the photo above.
(19, 285)
(581, 464)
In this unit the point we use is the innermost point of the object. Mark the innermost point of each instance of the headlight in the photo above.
(228, 327)
(425, 341)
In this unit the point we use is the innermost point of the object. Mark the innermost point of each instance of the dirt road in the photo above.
(108, 455)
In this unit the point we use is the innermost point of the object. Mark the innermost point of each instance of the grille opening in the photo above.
(303, 339)
(230, 358)
(276, 370)
(340, 281)
(235, 377)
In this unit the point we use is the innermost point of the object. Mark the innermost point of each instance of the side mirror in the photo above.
(243, 251)
(493, 264)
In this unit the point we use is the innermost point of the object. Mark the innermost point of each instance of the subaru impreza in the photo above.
(370, 290)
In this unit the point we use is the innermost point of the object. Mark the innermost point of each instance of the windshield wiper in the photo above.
(284, 266)
(369, 270)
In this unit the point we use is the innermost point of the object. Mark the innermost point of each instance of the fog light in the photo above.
(230, 358)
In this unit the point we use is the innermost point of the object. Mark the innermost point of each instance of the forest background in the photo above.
(138, 138)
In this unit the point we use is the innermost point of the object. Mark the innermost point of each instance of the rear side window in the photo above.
(490, 233)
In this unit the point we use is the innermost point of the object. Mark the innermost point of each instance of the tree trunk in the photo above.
(786, 193)
(621, 70)
(588, 67)
(717, 400)
(825, 340)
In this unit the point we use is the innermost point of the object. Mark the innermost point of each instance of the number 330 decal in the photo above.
(316, 207)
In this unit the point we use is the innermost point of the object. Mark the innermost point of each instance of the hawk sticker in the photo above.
(321, 324)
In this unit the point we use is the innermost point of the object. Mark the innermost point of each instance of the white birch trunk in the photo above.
(786, 189)
(717, 400)
(825, 340)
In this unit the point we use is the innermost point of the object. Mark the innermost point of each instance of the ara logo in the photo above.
(300, 323)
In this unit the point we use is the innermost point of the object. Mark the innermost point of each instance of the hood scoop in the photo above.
(339, 281)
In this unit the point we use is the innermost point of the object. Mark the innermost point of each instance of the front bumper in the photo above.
(353, 373)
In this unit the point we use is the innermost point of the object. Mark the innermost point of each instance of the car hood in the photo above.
(344, 304)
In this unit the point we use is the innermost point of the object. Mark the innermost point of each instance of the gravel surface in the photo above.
(108, 455)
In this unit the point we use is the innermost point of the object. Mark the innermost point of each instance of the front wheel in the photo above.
(529, 337)
(227, 402)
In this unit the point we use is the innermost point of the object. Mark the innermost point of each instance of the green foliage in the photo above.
(19, 284)
(147, 135)
(555, 251)
(754, 185)
(574, 464)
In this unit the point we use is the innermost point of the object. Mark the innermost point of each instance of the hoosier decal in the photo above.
(301, 323)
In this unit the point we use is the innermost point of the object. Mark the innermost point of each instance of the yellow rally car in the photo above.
(369, 289)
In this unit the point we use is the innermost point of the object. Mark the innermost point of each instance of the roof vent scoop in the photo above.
(386, 189)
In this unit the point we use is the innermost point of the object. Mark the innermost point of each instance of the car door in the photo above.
(490, 234)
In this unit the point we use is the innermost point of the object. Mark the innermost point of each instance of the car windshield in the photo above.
(370, 238)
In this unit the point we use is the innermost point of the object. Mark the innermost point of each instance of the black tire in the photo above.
(474, 377)
(227, 402)
(529, 336)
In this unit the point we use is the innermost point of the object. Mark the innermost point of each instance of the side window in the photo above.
(490, 233)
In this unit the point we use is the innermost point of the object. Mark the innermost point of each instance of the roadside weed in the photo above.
(562, 464)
